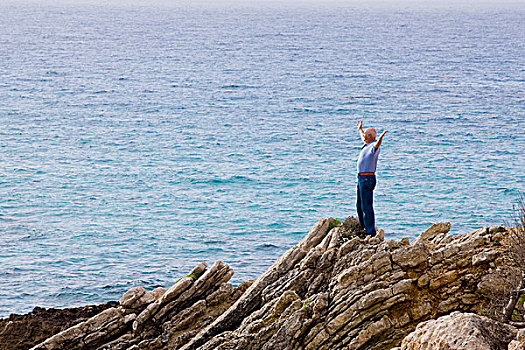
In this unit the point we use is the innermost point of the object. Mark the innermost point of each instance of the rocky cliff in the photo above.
(333, 290)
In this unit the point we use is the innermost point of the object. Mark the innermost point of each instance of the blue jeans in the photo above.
(365, 203)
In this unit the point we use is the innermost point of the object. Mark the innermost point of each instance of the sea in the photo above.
(139, 139)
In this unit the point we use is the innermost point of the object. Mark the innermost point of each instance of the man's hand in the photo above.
(378, 143)
(360, 129)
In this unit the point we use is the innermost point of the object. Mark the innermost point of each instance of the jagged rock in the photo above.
(158, 292)
(411, 256)
(155, 319)
(432, 232)
(21, 332)
(519, 342)
(89, 334)
(336, 289)
(459, 331)
(377, 291)
(483, 257)
(131, 296)
(381, 235)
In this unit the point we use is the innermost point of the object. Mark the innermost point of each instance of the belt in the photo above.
(366, 174)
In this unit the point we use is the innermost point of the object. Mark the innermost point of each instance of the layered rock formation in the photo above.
(461, 331)
(21, 332)
(333, 290)
(156, 319)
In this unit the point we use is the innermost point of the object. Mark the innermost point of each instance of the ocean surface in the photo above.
(138, 141)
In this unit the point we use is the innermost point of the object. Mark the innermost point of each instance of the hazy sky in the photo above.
(464, 4)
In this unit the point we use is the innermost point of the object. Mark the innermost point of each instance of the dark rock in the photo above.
(21, 332)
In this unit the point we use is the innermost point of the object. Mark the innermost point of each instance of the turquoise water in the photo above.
(139, 141)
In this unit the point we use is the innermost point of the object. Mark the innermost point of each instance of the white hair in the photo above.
(371, 132)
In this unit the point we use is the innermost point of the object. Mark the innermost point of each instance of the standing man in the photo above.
(366, 177)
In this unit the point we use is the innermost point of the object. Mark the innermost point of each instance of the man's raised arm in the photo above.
(360, 128)
(379, 140)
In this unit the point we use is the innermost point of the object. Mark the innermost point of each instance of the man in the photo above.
(366, 177)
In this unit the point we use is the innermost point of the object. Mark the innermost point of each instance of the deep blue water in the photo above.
(139, 141)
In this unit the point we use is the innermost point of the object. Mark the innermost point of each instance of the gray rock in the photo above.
(411, 256)
(131, 296)
(432, 232)
(484, 257)
(459, 331)
(518, 343)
